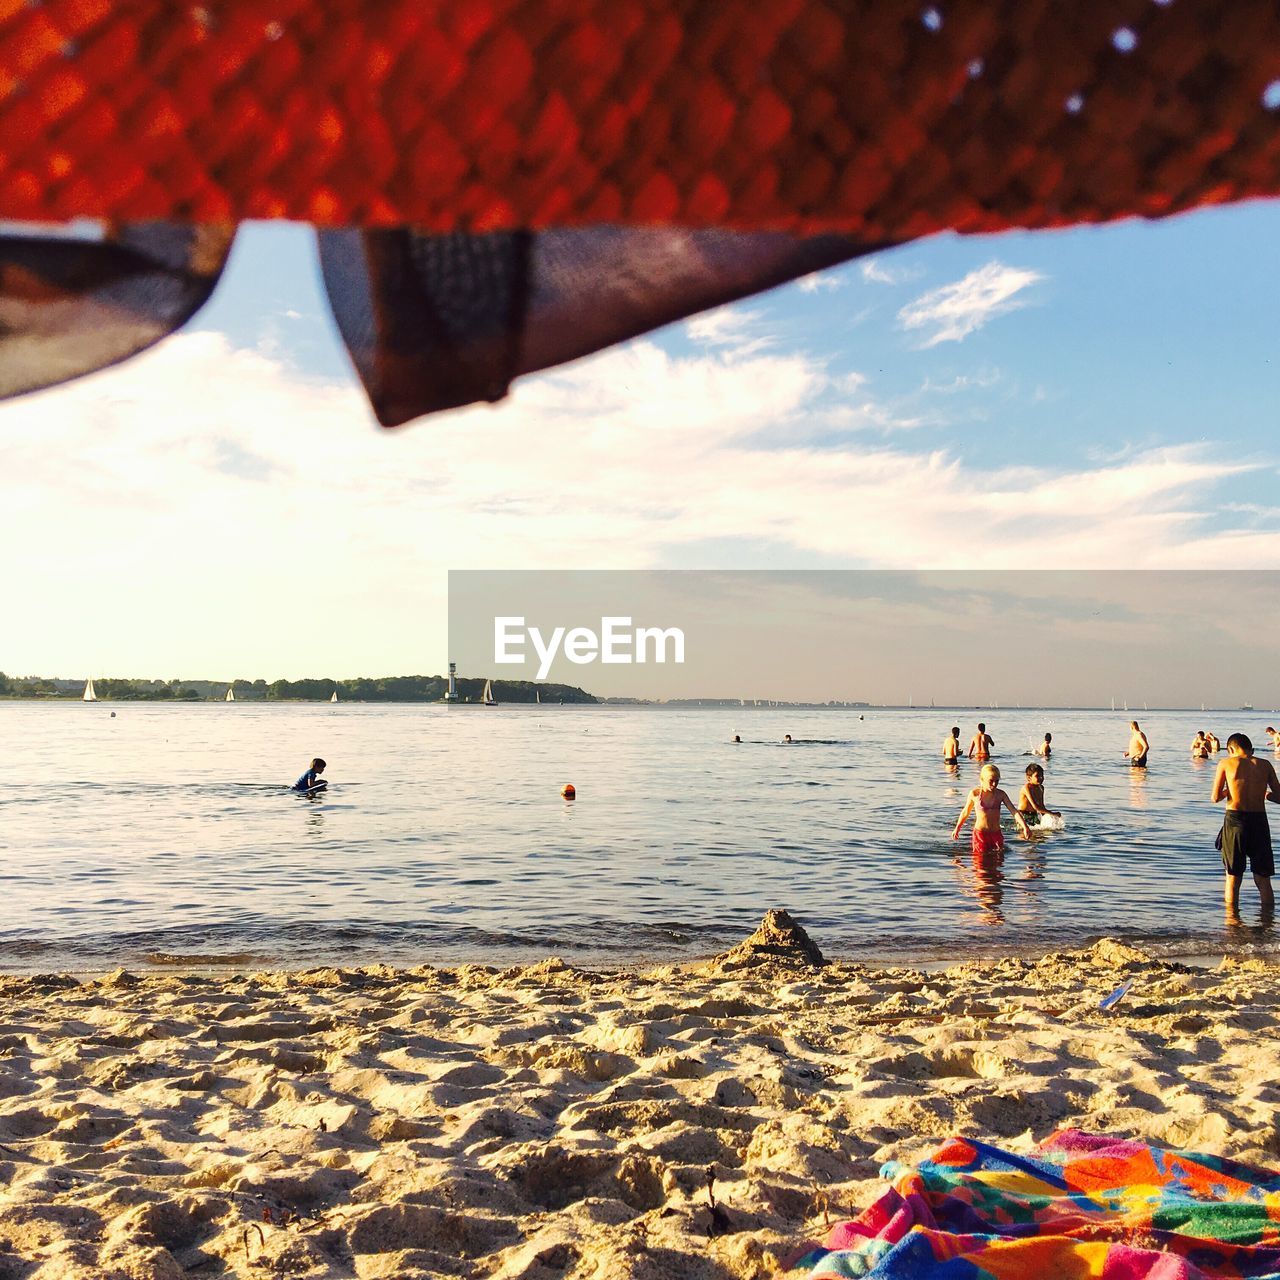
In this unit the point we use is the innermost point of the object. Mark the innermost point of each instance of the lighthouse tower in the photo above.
(451, 694)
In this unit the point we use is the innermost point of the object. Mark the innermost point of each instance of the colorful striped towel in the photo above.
(1083, 1205)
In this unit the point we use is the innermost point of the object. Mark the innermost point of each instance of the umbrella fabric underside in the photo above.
(506, 184)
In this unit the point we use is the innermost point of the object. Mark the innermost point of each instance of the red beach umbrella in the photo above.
(502, 185)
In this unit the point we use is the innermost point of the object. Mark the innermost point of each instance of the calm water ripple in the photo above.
(167, 835)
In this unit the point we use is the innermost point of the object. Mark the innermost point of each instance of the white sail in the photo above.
(488, 699)
(89, 695)
(231, 696)
(334, 696)
(537, 696)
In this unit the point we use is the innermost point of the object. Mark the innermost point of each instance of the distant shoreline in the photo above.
(678, 704)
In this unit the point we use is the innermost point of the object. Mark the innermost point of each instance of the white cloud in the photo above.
(979, 381)
(956, 310)
(820, 281)
(876, 272)
(725, 327)
(209, 510)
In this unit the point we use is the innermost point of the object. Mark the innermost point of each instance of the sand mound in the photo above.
(778, 943)
(549, 1124)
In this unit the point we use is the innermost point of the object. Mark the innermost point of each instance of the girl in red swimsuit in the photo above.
(984, 803)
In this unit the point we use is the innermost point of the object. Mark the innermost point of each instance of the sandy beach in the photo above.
(547, 1122)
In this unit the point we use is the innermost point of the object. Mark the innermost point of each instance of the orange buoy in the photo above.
(568, 791)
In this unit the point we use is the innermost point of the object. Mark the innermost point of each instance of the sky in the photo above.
(224, 506)
(1033, 637)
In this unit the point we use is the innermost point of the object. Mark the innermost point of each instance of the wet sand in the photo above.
(548, 1122)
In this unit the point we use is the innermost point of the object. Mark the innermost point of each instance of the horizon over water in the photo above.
(168, 836)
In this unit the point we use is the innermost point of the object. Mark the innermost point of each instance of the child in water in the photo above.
(985, 802)
(311, 780)
(1031, 798)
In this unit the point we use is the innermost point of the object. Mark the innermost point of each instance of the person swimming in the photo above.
(985, 802)
(311, 781)
(1031, 798)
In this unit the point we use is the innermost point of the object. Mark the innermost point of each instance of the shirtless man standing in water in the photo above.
(980, 747)
(1246, 783)
(1138, 746)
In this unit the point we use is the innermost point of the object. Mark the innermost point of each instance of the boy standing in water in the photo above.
(311, 780)
(951, 748)
(1031, 798)
(985, 802)
(1046, 747)
(1246, 783)
(980, 747)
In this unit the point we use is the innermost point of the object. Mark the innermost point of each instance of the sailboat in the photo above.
(231, 695)
(537, 696)
(89, 695)
(333, 697)
(489, 700)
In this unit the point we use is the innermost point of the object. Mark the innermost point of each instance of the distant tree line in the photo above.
(361, 689)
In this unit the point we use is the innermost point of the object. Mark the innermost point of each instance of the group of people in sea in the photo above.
(985, 802)
(1243, 780)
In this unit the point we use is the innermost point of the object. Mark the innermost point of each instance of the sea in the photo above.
(152, 835)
